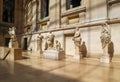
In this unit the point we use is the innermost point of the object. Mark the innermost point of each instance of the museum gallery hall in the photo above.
(59, 41)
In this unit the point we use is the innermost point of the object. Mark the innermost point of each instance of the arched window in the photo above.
(8, 11)
(73, 3)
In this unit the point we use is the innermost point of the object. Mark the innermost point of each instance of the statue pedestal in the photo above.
(54, 54)
(77, 57)
(105, 57)
(16, 54)
(78, 54)
(10, 53)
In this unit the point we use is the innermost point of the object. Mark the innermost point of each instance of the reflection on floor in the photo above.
(37, 69)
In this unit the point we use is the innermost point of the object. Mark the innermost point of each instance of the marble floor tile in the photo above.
(68, 70)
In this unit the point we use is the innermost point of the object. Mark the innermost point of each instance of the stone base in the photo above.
(54, 54)
(14, 54)
(77, 57)
(105, 59)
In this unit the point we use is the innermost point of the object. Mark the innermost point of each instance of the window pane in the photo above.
(44, 8)
(8, 11)
(73, 3)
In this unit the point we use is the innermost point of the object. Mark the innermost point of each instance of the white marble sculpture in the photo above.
(58, 45)
(105, 40)
(13, 40)
(77, 41)
(53, 50)
(49, 41)
(40, 37)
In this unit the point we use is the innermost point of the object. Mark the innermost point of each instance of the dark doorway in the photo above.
(7, 40)
(25, 44)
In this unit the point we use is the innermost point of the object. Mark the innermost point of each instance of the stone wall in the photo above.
(89, 17)
(18, 23)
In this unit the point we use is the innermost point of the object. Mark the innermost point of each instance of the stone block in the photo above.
(14, 54)
(105, 59)
(54, 54)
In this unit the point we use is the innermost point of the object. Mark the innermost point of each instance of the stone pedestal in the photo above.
(14, 53)
(54, 54)
(77, 55)
(105, 57)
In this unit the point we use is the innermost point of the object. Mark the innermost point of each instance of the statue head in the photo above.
(13, 28)
(10, 28)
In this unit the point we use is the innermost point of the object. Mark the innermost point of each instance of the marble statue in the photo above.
(12, 32)
(40, 37)
(77, 41)
(10, 43)
(58, 45)
(13, 41)
(77, 37)
(105, 40)
(49, 41)
(53, 49)
(105, 35)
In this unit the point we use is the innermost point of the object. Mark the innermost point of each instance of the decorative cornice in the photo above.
(86, 24)
(111, 2)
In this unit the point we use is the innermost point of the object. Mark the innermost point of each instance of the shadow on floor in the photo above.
(16, 72)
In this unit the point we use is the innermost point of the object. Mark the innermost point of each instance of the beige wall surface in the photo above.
(69, 46)
(28, 17)
(98, 9)
(114, 11)
(94, 11)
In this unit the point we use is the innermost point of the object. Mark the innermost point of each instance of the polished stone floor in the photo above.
(35, 69)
